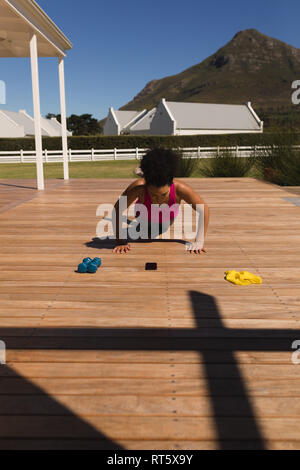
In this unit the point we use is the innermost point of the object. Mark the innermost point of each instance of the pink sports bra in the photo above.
(160, 215)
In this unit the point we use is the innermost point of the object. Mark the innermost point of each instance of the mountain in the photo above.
(251, 67)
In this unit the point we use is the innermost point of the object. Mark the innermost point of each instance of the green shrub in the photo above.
(226, 164)
(280, 162)
(147, 141)
(187, 165)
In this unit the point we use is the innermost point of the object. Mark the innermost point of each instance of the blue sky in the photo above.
(119, 46)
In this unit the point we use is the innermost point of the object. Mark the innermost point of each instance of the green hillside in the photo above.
(251, 67)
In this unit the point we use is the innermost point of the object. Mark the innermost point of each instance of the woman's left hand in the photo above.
(195, 247)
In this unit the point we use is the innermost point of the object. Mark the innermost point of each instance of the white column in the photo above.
(62, 94)
(37, 112)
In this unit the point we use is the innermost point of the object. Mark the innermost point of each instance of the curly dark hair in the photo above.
(159, 166)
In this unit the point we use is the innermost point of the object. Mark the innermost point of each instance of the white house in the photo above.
(175, 118)
(119, 122)
(143, 125)
(9, 127)
(20, 124)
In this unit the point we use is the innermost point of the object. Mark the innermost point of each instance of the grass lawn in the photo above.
(106, 169)
(109, 169)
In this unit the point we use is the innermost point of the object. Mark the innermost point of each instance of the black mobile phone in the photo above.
(151, 266)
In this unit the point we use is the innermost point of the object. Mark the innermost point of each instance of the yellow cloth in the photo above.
(242, 278)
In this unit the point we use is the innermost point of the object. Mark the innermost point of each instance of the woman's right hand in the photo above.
(122, 248)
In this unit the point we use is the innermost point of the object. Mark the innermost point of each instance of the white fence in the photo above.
(95, 155)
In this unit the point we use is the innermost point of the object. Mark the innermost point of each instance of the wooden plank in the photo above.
(144, 405)
(142, 370)
(146, 386)
(116, 428)
(149, 357)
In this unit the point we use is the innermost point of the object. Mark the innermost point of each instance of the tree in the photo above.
(50, 115)
(80, 125)
(83, 125)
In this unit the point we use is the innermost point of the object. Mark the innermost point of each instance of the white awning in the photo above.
(26, 31)
(18, 20)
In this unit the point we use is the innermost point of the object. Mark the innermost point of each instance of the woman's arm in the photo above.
(191, 197)
(132, 192)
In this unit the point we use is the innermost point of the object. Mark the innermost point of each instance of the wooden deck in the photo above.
(176, 358)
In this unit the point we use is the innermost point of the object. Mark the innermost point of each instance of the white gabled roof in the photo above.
(49, 127)
(53, 127)
(125, 118)
(144, 123)
(22, 119)
(212, 116)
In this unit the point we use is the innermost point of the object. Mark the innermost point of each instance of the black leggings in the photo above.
(158, 225)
